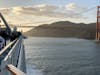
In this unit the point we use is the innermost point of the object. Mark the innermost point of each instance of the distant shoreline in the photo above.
(59, 37)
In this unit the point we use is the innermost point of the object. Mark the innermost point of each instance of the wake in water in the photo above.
(33, 70)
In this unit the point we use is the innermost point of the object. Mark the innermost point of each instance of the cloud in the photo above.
(5, 10)
(37, 10)
(74, 7)
(47, 11)
(16, 10)
(44, 7)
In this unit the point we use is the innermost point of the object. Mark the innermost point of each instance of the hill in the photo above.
(64, 29)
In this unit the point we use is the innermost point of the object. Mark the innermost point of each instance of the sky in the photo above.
(36, 12)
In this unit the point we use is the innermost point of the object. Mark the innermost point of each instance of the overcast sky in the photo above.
(47, 11)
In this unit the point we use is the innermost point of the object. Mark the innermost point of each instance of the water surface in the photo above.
(62, 56)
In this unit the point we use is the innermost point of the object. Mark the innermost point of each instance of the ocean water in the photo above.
(62, 56)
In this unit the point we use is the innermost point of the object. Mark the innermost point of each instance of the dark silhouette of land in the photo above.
(64, 29)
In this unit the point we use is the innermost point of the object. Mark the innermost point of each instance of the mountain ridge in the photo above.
(64, 29)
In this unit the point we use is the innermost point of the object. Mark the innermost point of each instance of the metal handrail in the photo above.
(6, 47)
(11, 62)
(6, 50)
(11, 50)
(14, 70)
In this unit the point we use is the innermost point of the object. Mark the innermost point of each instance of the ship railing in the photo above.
(14, 70)
(10, 56)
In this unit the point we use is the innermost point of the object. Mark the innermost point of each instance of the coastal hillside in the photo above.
(64, 29)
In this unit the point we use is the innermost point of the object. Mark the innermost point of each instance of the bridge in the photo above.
(98, 24)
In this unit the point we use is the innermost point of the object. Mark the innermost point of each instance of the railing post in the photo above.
(14, 70)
